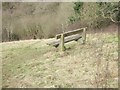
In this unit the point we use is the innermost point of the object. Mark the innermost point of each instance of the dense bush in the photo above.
(78, 6)
(109, 10)
(43, 20)
(96, 15)
(33, 20)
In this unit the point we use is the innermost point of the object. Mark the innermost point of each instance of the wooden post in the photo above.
(62, 47)
(84, 35)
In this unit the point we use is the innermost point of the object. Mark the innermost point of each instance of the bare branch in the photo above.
(109, 17)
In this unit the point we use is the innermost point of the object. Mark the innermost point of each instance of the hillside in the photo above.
(32, 63)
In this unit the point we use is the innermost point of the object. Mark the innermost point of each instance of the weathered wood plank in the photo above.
(84, 36)
(62, 47)
(67, 39)
(70, 33)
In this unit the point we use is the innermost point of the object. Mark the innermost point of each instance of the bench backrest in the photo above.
(77, 31)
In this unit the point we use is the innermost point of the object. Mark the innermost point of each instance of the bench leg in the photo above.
(84, 36)
(62, 47)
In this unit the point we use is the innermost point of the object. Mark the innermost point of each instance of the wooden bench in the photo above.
(65, 37)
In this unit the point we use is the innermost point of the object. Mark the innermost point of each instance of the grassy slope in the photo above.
(34, 64)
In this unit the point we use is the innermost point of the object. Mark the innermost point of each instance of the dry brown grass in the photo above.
(46, 18)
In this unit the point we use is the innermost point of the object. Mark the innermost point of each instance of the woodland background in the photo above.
(35, 20)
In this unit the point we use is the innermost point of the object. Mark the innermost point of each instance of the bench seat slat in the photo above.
(67, 39)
